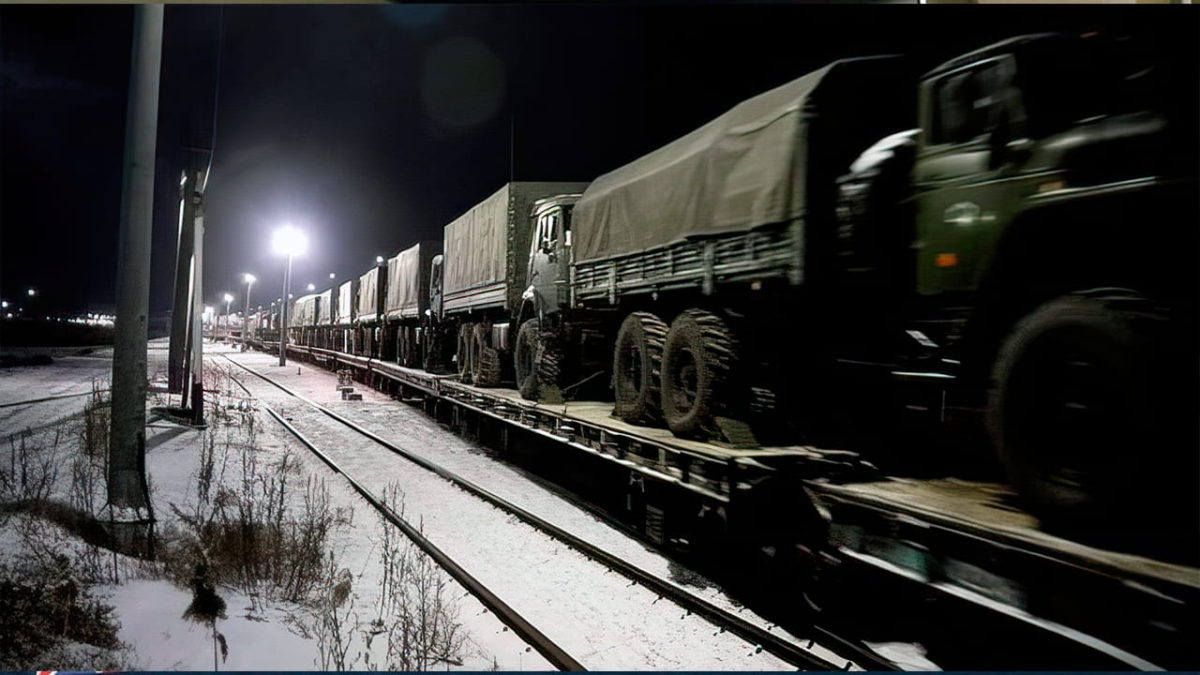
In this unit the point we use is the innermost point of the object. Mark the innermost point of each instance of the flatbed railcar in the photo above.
(950, 563)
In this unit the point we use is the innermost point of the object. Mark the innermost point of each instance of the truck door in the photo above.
(965, 188)
(549, 260)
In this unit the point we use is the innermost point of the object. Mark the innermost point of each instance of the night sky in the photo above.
(371, 127)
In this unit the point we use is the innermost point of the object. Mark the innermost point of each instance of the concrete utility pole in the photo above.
(127, 445)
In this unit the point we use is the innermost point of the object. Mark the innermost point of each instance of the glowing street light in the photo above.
(332, 275)
(378, 260)
(311, 287)
(4, 304)
(228, 299)
(290, 242)
(31, 292)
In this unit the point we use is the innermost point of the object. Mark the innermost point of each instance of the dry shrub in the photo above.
(264, 528)
(49, 617)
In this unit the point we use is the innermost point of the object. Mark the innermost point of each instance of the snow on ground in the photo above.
(597, 616)
(67, 375)
(149, 609)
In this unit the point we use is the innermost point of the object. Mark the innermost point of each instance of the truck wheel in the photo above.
(637, 363)
(525, 359)
(465, 344)
(1073, 393)
(699, 354)
(486, 367)
(548, 367)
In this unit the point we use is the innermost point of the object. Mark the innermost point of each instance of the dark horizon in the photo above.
(371, 127)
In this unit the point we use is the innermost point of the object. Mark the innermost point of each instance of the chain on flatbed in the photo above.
(760, 637)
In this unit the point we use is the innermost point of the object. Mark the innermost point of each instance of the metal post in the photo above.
(283, 313)
(246, 317)
(197, 364)
(177, 354)
(127, 445)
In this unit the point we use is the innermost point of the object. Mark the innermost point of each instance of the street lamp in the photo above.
(332, 275)
(287, 241)
(311, 287)
(228, 299)
(31, 292)
(249, 279)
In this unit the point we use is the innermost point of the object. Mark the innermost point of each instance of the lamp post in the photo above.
(249, 279)
(289, 242)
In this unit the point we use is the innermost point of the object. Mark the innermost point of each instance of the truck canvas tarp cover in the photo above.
(488, 246)
(753, 166)
(325, 308)
(304, 311)
(408, 281)
(345, 303)
(368, 297)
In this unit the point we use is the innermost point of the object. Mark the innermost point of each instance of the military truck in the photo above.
(1008, 240)
(369, 311)
(406, 303)
(347, 305)
(479, 284)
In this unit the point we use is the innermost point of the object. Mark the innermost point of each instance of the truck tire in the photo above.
(463, 352)
(1073, 391)
(699, 354)
(637, 365)
(525, 357)
(486, 367)
(548, 367)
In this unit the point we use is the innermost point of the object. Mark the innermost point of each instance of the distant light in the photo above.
(287, 240)
(228, 298)
(378, 260)
(312, 287)
(332, 275)
(249, 278)
(31, 292)
(289, 296)
(9, 315)
(4, 304)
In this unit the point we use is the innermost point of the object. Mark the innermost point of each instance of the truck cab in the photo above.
(547, 287)
(1049, 198)
(538, 351)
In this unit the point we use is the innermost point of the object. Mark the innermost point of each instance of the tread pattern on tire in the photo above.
(716, 350)
(487, 369)
(528, 337)
(650, 333)
(548, 363)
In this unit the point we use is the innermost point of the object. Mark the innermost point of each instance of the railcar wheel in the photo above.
(525, 359)
(698, 357)
(463, 352)
(486, 367)
(1074, 391)
(637, 364)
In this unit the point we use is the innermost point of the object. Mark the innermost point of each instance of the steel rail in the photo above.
(556, 655)
(50, 398)
(760, 637)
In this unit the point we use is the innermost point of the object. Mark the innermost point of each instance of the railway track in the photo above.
(781, 647)
(44, 399)
(553, 653)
